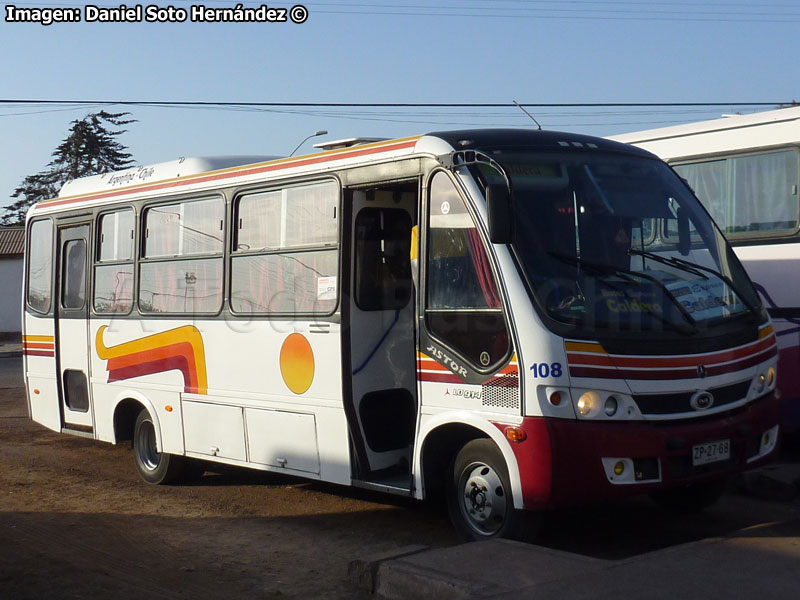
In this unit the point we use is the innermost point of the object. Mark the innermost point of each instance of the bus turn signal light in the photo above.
(516, 434)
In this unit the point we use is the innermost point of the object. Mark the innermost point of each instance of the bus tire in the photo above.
(479, 498)
(694, 497)
(153, 466)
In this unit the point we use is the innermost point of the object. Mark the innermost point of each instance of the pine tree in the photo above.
(90, 148)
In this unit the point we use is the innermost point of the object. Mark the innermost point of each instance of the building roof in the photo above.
(12, 241)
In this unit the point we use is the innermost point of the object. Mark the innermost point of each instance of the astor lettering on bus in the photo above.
(449, 362)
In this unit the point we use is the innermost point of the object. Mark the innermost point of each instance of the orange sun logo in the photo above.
(297, 363)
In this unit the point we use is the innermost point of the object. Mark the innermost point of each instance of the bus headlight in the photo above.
(588, 403)
(601, 404)
(771, 376)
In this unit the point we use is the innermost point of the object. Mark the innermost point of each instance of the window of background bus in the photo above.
(463, 303)
(113, 272)
(749, 195)
(181, 269)
(286, 252)
(40, 266)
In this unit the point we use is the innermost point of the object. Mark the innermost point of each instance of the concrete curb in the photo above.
(472, 571)
(363, 573)
(735, 566)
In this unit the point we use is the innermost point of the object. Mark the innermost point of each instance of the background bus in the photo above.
(745, 169)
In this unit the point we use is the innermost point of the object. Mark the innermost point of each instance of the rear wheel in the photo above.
(479, 499)
(153, 466)
(691, 498)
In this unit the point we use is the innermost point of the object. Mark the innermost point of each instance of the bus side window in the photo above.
(463, 304)
(40, 266)
(74, 283)
(113, 271)
(286, 251)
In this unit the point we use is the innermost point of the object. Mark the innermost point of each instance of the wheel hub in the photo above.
(484, 502)
(146, 447)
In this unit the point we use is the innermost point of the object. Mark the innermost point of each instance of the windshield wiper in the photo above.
(670, 261)
(695, 269)
(631, 277)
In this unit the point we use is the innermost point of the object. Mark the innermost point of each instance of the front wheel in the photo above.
(153, 466)
(479, 499)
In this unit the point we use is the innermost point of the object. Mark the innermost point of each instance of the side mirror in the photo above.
(498, 210)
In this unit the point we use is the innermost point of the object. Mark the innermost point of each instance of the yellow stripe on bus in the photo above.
(38, 338)
(584, 347)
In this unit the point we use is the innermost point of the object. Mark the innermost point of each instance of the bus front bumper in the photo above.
(588, 461)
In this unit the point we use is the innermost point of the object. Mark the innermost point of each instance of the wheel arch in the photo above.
(128, 406)
(439, 441)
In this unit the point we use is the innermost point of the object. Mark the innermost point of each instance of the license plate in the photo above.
(710, 452)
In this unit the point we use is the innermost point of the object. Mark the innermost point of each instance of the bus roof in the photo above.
(209, 172)
(529, 138)
(172, 169)
(737, 132)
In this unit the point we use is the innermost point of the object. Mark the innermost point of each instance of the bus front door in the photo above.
(72, 328)
(379, 337)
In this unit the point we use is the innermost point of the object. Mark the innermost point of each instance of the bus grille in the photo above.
(668, 404)
(503, 392)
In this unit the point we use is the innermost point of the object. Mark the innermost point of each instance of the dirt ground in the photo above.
(77, 522)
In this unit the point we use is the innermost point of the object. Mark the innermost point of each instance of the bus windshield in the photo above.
(613, 242)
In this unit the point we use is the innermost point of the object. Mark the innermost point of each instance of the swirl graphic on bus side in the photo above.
(176, 349)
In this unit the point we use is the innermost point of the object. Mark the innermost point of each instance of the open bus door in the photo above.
(378, 334)
(72, 328)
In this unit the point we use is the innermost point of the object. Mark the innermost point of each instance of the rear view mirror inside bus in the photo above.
(498, 207)
(684, 235)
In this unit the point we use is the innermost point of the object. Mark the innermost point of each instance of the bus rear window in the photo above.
(40, 266)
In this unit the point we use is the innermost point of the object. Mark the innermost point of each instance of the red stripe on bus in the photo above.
(669, 362)
(580, 371)
(179, 363)
(439, 377)
(432, 365)
(503, 381)
(50, 354)
(602, 360)
(42, 345)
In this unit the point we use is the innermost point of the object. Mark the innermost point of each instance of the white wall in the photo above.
(10, 294)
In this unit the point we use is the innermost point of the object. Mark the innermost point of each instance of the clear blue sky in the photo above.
(390, 51)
